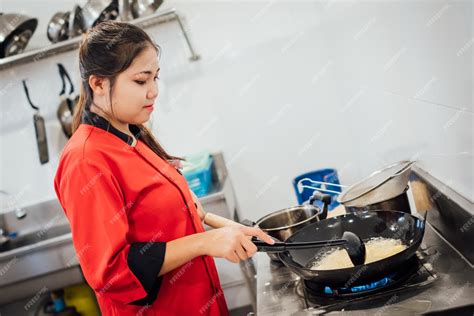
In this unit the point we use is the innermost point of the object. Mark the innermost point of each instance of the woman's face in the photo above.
(136, 88)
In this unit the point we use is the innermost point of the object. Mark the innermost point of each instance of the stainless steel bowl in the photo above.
(284, 223)
(141, 8)
(397, 203)
(75, 22)
(16, 31)
(58, 27)
(95, 11)
(381, 185)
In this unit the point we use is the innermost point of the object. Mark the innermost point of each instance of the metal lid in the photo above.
(373, 181)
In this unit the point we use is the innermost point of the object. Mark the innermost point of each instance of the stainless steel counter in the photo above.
(276, 287)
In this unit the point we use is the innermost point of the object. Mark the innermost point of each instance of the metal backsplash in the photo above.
(450, 214)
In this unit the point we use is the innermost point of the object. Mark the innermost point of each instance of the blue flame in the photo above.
(371, 286)
(361, 288)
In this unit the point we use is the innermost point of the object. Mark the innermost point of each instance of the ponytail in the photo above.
(79, 109)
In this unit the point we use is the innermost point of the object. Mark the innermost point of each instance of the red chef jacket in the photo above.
(124, 203)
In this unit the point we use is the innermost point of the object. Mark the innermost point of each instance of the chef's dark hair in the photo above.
(107, 50)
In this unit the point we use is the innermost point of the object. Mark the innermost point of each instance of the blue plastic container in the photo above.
(197, 169)
(323, 175)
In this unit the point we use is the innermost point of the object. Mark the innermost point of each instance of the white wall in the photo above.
(286, 87)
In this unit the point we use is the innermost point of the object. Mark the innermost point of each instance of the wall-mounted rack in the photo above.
(158, 17)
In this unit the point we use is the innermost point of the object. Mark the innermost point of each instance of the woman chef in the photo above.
(137, 229)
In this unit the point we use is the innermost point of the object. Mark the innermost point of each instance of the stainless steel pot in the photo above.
(141, 8)
(95, 11)
(380, 186)
(65, 114)
(75, 22)
(397, 203)
(284, 223)
(58, 27)
(16, 31)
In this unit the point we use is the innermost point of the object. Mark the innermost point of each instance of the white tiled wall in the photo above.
(282, 88)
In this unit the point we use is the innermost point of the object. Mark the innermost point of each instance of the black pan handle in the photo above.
(325, 198)
(264, 247)
(280, 246)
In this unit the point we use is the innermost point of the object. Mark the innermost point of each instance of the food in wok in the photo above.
(376, 249)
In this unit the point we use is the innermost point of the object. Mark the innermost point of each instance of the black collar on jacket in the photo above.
(96, 120)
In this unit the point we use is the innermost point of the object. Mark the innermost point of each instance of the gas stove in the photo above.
(416, 274)
(437, 278)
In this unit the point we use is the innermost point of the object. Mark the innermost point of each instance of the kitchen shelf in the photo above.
(158, 17)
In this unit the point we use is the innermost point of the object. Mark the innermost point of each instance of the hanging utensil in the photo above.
(75, 22)
(16, 31)
(66, 107)
(58, 27)
(96, 11)
(40, 129)
(141, 8)
(125, 10)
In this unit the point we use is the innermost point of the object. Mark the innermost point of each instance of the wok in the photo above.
(367, 225)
